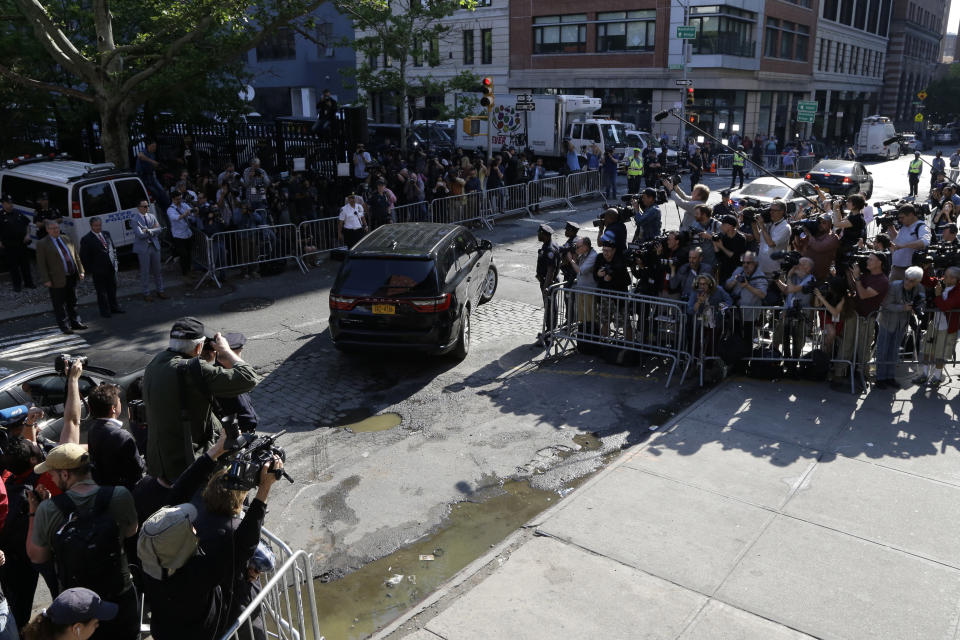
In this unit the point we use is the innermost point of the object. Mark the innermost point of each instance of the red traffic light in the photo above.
(689, 89)
(488, 82)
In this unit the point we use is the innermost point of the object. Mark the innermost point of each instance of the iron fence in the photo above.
(468, 207)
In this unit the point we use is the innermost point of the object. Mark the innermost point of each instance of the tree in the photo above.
(393, 36)
(118, 54)
(943, 96)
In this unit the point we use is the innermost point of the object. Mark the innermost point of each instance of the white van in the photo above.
(79, 191)
(873, 131)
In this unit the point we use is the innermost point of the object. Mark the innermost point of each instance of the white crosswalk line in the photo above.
(45, 348)
(39, 344)
(28, 337)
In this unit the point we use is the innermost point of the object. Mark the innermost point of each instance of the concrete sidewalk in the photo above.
(765, 511)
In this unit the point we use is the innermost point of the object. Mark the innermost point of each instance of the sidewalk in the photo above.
(764, 511)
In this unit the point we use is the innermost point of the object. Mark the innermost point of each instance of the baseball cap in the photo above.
(649, 192)
(167, 540)
(79, 605)
(187, 328)
(609, 238)
(13, 415)
(6, 198)
(729, 219)
(235, 340)
(64, 457)
(263, 559)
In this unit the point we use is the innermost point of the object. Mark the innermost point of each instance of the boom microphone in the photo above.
(661, 115)
(890, 141)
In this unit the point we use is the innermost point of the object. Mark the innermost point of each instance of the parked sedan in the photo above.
(841, 177)
(762, 191)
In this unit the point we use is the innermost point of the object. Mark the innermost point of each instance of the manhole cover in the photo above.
(246, 304)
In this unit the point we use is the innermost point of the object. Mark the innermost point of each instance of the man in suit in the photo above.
(99, 258)
(146, 245)
(59, 272)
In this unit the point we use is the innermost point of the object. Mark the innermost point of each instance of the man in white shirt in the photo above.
(352, 223)
(360, 161)
(689, 203)
(583, 261)
(772, 237)
(180, 215)
(914, 235)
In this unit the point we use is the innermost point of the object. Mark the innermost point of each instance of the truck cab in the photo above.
(874, 130)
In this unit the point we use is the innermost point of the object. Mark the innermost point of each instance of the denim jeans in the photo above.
(888, 352)
(8, 626)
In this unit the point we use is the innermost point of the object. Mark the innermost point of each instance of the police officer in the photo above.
(14, 240)
(914, 171)
(44, 212)
(238, 407)
(569, 248)
(696, 163)
(648, 218)
(739, 159)
(634, 172)
(651, 166)
(724, 207)
(548, 264)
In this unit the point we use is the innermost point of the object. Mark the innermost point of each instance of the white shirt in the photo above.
(179, 228)
(780, 234)
(351, 216)
(360, 162)
(904, 257)
(585, 279)
(868, 214)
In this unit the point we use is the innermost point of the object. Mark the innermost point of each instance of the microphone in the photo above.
(890, 141)
(661, 115)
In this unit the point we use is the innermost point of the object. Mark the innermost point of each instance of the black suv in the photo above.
(411, 286)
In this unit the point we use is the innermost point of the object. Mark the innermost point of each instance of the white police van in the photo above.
(79, 191)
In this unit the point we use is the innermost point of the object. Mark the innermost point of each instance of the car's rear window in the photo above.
(380, 277)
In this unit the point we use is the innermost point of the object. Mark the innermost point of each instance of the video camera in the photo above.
(810, 226)
(787, 259)
(244, 472)
(63, 362)
(625, 212)
(846, 262)
(942, 256)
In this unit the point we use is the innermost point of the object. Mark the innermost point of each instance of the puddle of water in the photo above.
(588, 441)
(470, 530)
(380, 422)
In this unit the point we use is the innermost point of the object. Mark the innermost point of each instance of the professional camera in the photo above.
(624, 213)
(717, 237)
(884, 220)
(846, 262)
(63, 362)
(787, 259)
(646, 251)
(942, 256)
(244, 472)
(138, 411)
(809, 226)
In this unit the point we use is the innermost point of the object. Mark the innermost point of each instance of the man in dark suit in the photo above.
(99, 258)
(59, 272)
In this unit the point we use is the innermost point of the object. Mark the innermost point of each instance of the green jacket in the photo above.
(172, 444)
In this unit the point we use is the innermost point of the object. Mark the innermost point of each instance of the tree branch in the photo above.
(43, 86)
(171, 51)
(56, 42)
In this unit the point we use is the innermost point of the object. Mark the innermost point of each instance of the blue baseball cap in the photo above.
(608, 237)
(13, 415)
(79, 605)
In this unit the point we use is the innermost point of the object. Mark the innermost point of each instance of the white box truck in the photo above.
(873, 131)
(554, 119)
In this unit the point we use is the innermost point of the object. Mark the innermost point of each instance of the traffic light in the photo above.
(689, 96)
(471, 125)
(487, 99)
(693, 118)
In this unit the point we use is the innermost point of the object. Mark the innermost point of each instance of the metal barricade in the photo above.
(413, 212)
(317, 236)
(804, 164)
(547, 192)
(247, 248)
(584, 184)
(622, 320)
(724, 163)
(505, 201)
(915, 341)
(458, 209)
(203, 256)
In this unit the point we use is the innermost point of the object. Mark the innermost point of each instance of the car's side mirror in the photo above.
(338, 254)
(486, 245)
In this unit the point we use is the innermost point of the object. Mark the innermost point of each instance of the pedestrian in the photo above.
(608, 172)
(75, 614)
(954, 165)
(913, 173)
(696, 164)
(60, 270)
(146, 167)
(99, 259)
(903, 298)
(146, 245)
(14, 240)
(651, 167)
(352, 223)
(738, 161)
(548, 265)
(634, 172)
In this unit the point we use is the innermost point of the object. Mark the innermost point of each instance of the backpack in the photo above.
(86, 549)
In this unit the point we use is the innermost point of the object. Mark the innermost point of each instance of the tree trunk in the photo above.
(115, 134)
(404, 114)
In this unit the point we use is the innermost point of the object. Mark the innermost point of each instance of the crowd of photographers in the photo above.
(764, 282)
(154, 520)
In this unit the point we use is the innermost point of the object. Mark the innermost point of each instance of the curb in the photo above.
(474, 567)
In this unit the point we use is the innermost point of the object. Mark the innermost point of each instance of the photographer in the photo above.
(683, 277)
(704, 228)
(177, 390)
(729, 247)
(548, 267)
(772, 235)
(699, 196)
(610, 272)
(852, 227)
(940, 338)
(255, 183)
(611, 224)
(748, 287)
(583, 260)
(868, 292)
(181, 215)
(950, 234)
(914, 235)
(793, 324)
(673, 255)
(904, 298)
(820, 246)
(231, 178)
(238, 409)
(568, 254)
(648, 220)
(705, 307)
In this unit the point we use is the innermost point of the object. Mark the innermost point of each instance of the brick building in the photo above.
(916, 33)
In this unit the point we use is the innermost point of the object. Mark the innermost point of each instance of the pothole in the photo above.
(239, 305)
(368, 424)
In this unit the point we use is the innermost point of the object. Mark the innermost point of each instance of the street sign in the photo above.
(524, 97)
(918, 117)
(675, 67)
(686, 32)
(923, 96)
(526, 106)
(807, 106)
(806, 117)
(684, 83)
(839, 114)
(421, 102)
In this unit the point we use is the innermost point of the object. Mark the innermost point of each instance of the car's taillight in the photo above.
(808, 176)
(826, 175)
(75, 210)
(430, 305)
(846, 180)
(342, 303)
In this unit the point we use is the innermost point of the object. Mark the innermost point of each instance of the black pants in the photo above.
(18, 264)
(65, 302)
(352, 236)
(633, 184)
(914, 183)
(106, 286)
(183, 247)
(737, 171)
(695, 179)
(126, 626)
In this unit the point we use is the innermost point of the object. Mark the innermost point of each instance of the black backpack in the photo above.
(86, 549)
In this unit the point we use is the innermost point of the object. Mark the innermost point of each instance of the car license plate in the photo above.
(384, 309)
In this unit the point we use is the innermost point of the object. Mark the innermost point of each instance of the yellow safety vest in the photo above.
(636, 167)
(916, 166)
(738, 159)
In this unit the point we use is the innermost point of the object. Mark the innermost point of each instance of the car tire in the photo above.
(463, 342)
(490, 282)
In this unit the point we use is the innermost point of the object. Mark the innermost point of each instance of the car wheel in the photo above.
(463, 344)
(489, 285)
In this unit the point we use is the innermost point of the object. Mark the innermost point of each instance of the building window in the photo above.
(786, 40)
(728, 31)
(823, 45)
(324, 37)
(860, 16)
(433, 54)
(884, 23)
(838, 61)
(486, 44)
(846, 11)
(468, 46)
(802, 3)
(872, 16)
(280, 45)
(830, 9)
(626, 30)
(560, 34)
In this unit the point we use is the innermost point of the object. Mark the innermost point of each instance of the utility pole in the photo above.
(683, 89)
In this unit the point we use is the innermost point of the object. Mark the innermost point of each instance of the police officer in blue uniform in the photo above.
(548, 264)
(239, 407)
(569, 248)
